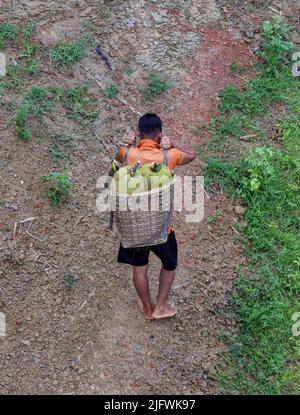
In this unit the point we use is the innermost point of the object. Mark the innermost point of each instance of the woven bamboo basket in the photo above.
(143, 219)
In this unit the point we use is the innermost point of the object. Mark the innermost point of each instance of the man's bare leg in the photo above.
(141, 283)
(162, 309)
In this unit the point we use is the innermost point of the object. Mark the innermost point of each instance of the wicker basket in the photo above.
(149, 223)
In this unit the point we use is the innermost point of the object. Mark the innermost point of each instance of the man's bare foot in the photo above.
(164, 312)
(147, 314)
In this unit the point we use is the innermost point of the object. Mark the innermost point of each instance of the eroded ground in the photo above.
(91, 338)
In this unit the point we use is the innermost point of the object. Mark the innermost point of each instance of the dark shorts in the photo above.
(138, 257)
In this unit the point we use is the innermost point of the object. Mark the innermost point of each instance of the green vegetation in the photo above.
(12, 79)
(40, 101)
(31, 67)
(277, 44)
(240, 108)
(34, 105)
(26, 62)
(8, 32)
(77, 103)
(236, 69)
(129, 71)
(213, 218)
(65, 54)
(28, 30)
(264, 357)
(69, 281)
(62, 148)
(58, 187)
(111, 91)
(155, 86)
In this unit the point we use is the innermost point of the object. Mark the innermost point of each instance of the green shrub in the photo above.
(62, 147)
(277, 43)
(58, 187)
(111, 91)
(68, 53)
(155, 86)
(21, 122)
(34, 105)
(28, 30)
(8, 32)
(78, 104)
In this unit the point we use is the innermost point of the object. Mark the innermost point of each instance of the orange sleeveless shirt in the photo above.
(149, 151)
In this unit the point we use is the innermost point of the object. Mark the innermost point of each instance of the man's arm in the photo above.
(129, 140)
(120, 155)
(188, 153)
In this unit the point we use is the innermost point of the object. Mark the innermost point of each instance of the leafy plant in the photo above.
(111, 91)
(65, 54)
(129, 71)
(28, 49)
(277, 43)
(62, 147)
(28, 30)
(214, 216)
(240, 108)
(78, 104)
(8, 32)
(69, 281)
(59, 186)
(21, 122)
(12, 80)
(155, 86)
(31, 67)
(34, 105)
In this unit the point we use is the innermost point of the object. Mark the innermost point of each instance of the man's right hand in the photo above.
(131, 139)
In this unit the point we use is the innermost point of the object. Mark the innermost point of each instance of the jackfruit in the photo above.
(129, 180)
(156, 174)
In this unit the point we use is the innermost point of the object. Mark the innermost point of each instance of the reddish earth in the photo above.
(91, 338)
(208, 71)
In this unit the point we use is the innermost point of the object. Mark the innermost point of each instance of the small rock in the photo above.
(240, 210)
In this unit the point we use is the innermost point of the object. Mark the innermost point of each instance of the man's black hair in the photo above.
(150, 125)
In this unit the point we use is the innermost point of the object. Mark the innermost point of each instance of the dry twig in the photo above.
(182, 285)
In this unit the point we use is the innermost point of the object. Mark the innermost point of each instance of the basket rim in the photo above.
(146, 193)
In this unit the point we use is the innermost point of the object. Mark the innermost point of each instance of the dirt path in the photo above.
(91, 338)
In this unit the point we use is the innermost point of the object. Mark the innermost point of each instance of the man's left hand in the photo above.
(166, 143)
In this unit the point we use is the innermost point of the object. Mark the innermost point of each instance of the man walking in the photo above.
(150, 149)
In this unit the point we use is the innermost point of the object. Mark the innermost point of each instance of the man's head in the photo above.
(150, 126)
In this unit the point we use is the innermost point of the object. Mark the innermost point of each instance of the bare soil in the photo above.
(91, 338)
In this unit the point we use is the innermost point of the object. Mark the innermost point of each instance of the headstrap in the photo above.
(166, 157)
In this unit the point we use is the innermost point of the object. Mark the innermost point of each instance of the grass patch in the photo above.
(129, 71)
(58, 187)
(213, 218)
(8, 33)
(62, 148)
(155, 86)
(111, 91)
(35, 104)
(66, 54)
(28, 30)
(26, 62)
(76, 102)
(264, 356)
(12, 80)
(241, 108)
(69, 281)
